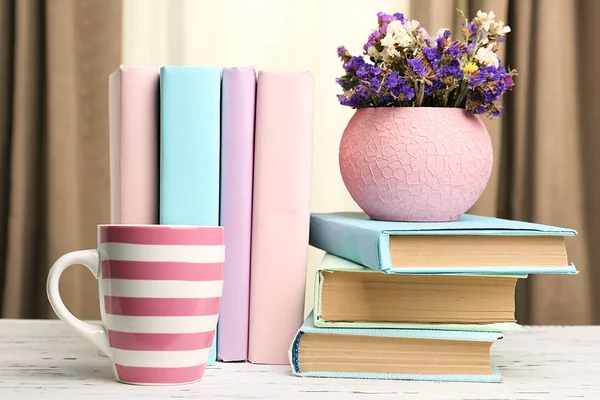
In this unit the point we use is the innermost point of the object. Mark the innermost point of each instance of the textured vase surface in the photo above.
(415, 164)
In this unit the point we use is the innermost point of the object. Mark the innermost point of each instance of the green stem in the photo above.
(461, 95)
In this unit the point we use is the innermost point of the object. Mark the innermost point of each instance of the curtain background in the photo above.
(55, 58)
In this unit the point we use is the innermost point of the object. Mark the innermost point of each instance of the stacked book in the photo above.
(201, 145)
(418, 301)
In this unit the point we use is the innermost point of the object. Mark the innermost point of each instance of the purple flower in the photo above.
(375, 70)
(417, 66)
(508, 81)
(375, 83)
(479, 78)
(383, 18)
(399, 17)
(432, 54)
(362, 71)
(403, 91)
(470, 48)
(452, 69)
(341, 50)
(373, 38)
(447, 34)
(355, 63)
(472, 27)
(498, 113)
(440, 42)
(454, 51)
(392, 80)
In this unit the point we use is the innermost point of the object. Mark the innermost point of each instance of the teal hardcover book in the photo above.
(354, 236)
(410, 303)
(404, 354)
(190, 114)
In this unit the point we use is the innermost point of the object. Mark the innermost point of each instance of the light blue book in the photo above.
(403, 354)
(190, 148)
(355, 237)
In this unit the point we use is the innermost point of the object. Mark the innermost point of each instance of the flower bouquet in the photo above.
(406, 67)
(416, 149)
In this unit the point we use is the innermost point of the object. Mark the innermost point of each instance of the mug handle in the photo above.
(91, 259)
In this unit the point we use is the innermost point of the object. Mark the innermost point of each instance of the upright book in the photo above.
(280, 212)
(133, 122)
(419, 354)
(190, 148)
(472, 244)
(237, 157)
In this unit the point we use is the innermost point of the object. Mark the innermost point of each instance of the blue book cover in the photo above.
(356, 237)
(190, 148)
(419, 359)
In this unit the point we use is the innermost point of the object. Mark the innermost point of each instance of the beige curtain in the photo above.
(55, 57)
(546, 169)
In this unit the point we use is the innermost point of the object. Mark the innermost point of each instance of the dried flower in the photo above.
(403, 66)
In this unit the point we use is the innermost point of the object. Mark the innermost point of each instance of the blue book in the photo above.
(190, 148)
(405, 354)
(471, 245)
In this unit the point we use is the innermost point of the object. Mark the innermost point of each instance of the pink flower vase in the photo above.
(415, 163)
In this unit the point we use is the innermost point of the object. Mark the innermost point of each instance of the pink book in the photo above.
(133, 115)
(280, 212)
(238, 92)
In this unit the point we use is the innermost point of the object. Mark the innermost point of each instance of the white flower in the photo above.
(394, 27)
(486, 56)
(389, 40)
(485, 20)
(396, 35)
(389, 54)
(411, 25)
(501, 28)
(404, 38)
(485, 16)
(373, 52)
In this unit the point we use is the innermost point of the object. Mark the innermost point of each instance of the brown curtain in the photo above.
(55, 58)
(546, 165)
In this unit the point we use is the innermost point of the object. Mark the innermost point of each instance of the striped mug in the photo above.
(160, 290)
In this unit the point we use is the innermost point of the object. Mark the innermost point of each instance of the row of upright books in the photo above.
(223, 147)
(418, 301)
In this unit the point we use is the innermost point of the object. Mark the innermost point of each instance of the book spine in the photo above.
(133, 137)
(190, 148)
(280, 212)
(237, 158)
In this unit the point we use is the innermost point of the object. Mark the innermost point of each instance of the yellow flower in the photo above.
(469, 68)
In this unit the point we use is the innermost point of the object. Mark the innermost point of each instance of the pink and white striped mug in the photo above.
(160, 292)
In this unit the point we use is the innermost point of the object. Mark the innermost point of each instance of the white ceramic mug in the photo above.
(160, 292)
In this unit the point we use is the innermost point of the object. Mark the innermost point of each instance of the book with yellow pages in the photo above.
(472, 244)
(393, 354)
(350, 295)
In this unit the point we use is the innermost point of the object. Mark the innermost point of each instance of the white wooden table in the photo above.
(44, 360)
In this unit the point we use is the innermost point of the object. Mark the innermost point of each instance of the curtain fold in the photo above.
(58, 58)
(545, 166)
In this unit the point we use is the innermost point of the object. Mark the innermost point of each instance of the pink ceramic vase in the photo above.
(415, 164)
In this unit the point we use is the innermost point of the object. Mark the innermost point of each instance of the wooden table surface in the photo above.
(45, 360)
